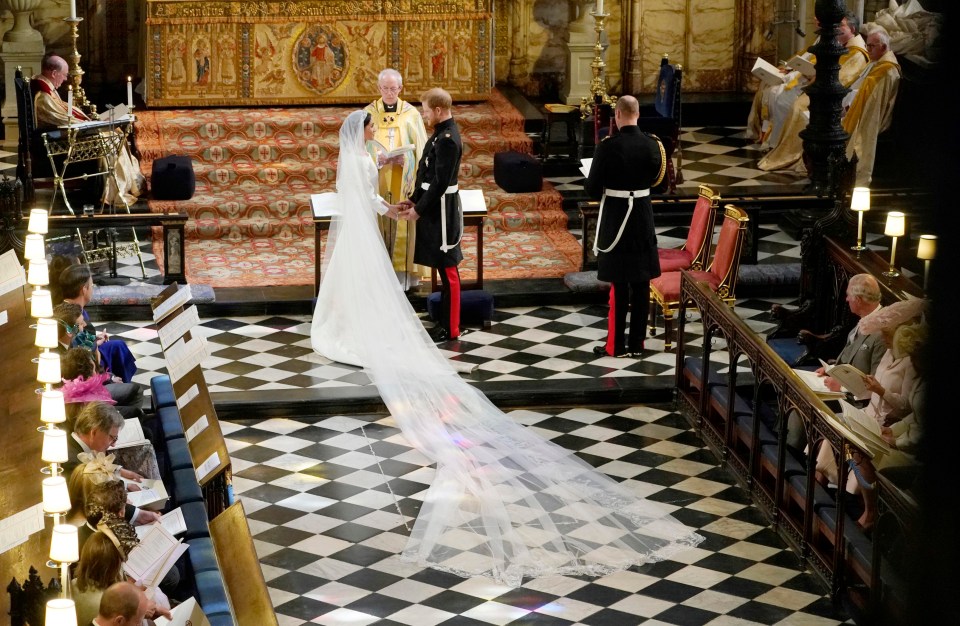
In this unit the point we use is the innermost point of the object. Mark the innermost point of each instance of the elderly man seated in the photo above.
(50, 111)
(868, 108)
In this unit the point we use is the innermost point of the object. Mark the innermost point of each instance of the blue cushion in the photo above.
(195, 516)
(170, 422)
(202, 556)
(788, 349)
(220, 619)
(210, 592)
(185, 487)
(476, 306)
(161, 392)
(178, 454)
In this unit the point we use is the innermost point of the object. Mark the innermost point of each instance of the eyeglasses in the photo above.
(389, 89)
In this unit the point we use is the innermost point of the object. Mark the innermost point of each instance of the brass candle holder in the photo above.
(598, 84)
(76, 72)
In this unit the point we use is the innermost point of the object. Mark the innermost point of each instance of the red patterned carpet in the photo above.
(250, 221)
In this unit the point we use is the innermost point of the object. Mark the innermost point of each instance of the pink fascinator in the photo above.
(89, 390)
(889, 317)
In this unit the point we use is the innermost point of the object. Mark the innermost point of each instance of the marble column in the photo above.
(581, 51)
(22, 46)
(519, 24)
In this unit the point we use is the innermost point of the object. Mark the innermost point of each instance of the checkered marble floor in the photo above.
(318, 494)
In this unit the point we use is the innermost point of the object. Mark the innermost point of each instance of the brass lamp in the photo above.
(895, 228)
(927, 250)
(860, 202)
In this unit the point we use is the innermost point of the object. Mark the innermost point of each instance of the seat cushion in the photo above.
(788, 349)
(185, 486)
(674, 260)
(668, 284)
(210, 592)
(516, 172)
(170, 422)
(195, 516)
(585, 282)
(203, 558)
(178, 455)
(161, 392)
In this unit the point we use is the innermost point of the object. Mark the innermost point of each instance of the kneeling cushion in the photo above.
(476, 306)
(516, 172)
(172, 178)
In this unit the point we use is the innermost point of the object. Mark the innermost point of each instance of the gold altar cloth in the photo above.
(244, 53)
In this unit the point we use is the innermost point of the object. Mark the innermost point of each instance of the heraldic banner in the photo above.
(243, 53)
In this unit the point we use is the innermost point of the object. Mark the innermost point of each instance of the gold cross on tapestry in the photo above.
(237, 53)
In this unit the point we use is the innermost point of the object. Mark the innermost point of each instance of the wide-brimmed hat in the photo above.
(893, 315)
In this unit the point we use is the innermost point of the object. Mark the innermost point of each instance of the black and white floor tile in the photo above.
(322, 499)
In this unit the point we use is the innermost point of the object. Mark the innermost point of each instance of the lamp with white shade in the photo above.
(927, 251)
(54, 450)
(38, 221)
(896, 227)
(64, 550)
(860, 203)
(48, 333)
(61, 612)
(56, 498)
(52, 408)
(41, 303)
(48, 368)
(37, 274)
(34, 247)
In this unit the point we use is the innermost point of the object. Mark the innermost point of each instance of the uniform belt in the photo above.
(616, 193)
(444, 246)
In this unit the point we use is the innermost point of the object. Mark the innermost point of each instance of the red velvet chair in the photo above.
(695, 253)
(721, 276)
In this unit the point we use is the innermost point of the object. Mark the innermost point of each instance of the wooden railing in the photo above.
(744, 408)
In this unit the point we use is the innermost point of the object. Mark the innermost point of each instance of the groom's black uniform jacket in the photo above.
(438, 167)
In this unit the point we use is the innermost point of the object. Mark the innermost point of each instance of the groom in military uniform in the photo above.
(625, 167)
(435, 206)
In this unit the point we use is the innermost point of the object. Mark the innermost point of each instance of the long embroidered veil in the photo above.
(504, 502)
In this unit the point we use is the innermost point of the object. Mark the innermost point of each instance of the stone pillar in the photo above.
(633, 77)
(518, 51)
(581, 50)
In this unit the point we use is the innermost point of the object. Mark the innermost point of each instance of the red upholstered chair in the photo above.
(695, 253)
(721, 276)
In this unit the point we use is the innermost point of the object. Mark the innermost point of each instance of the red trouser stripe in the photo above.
(453, 281)
(612, 322)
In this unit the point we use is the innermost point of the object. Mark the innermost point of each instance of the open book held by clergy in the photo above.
(385, 153)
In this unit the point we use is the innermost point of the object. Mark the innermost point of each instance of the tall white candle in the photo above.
(129, 92)
(599, 7)
(70, 102)
(73, 9)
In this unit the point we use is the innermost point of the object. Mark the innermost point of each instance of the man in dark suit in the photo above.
(435, 206)
(624, 169)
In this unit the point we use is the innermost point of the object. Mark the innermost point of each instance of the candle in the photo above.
(129, 92)
(599, 7)
(73, 9)
(70, 102)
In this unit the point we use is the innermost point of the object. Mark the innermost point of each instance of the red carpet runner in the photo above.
(250, 221)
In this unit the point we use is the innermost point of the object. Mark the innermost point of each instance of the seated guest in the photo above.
(870, 104)
(83, 383)
(92, 470)
(50, 112)
(58, 263)
(100, 567)
(76, 285)
(95, 429)
(122, 604)
(790, 111)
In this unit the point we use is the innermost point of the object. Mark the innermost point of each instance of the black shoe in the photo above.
(600, 350)
(439, 334)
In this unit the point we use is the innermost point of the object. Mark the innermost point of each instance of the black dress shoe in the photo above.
(438, 334)
(602, 351)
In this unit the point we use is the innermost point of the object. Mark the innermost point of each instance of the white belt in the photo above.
(444, 246)
(616, 193)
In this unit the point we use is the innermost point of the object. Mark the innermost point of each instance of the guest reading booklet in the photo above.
(817, 385)
(151, 493)
(153, 557)
(130, 435)
(172, 522)
(848, 376)
(768, 73)
(387, 153)
(803, 66)
(187, 613)
(866, 428)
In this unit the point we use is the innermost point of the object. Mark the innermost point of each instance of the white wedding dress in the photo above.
(504, 503)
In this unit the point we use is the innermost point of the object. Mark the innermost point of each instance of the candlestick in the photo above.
(70, 104)
(73, 9)
(129, 92)
(599, 8)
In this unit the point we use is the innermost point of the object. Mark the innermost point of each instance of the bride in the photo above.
(504, 502)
